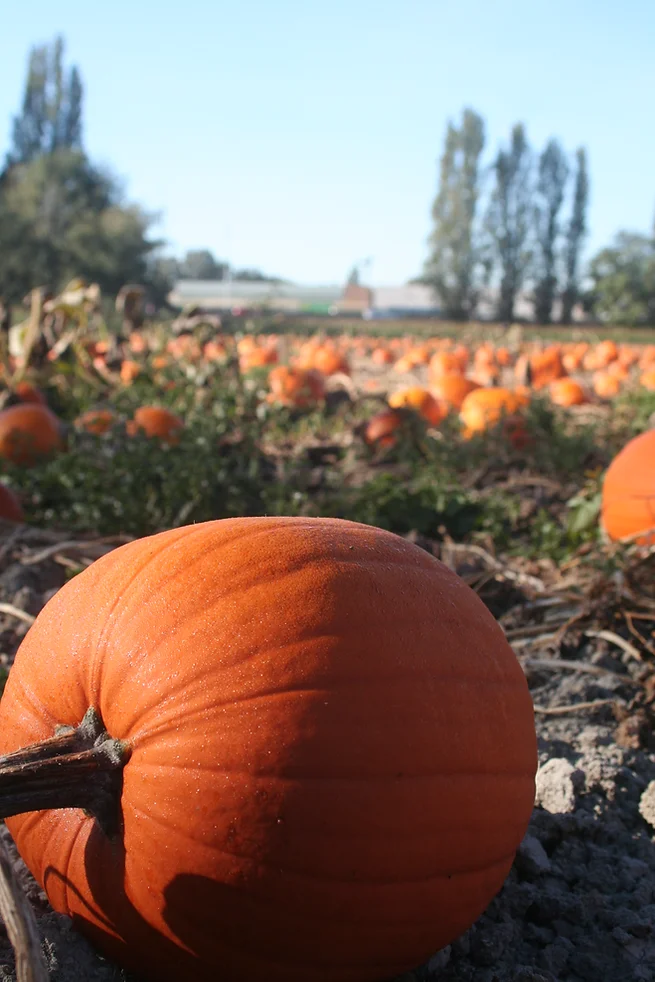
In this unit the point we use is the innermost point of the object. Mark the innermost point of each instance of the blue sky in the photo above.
(303, 135)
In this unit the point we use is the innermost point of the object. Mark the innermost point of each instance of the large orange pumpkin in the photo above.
(331, 752)
(28, 431)
(628, 498)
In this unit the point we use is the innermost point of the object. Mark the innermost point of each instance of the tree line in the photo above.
(509, 228)
(516, 227)
(62, 216)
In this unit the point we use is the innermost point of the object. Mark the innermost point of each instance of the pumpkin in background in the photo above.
(381, 429)
(29, 431)
(382, 356)
(331, 752)
(567, 392)
(421, 401)
(156, 422)
(26, 392)
(96, 421)
(444, 363)
(329, 361)
(605, 385)
(296, 387)
(628, 496)
(257, 357)
(130, 370)
(543, 367)
(11, 509)
(647, 379)
(214, 351)
(483, 409)
(452, 389)
(137, 343)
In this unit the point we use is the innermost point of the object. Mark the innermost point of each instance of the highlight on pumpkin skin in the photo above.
(352, 689)
(628, 495)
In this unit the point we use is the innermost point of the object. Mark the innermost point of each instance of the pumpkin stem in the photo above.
(80, 767)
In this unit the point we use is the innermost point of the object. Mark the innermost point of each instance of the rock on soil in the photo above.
(579, 903)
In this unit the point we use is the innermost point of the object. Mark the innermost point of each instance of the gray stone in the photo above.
(557, 783)
(647, 804)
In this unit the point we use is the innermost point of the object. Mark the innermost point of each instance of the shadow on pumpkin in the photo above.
(139, 947)
(195, 907)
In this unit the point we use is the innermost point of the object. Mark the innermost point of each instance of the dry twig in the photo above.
(553, 664)
(617, 640)
(21, 926)
(16, 612)
(575, 707)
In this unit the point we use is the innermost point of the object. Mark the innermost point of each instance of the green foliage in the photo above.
(51, 114)
(454, 262)
(509, 219)
(551, 185)
(575, 235)
(65, 218)
(623, 281)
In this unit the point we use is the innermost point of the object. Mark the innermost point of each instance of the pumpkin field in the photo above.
(523, 459)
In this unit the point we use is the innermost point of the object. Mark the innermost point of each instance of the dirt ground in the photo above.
(579, 904)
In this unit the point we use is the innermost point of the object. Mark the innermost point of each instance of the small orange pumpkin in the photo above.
(567, 392)
(26, 392)
(381, 429)
(444, 363)
(606, 385)
(329, 361)
(29, 431)
(628, 496)
(97, 421)
(382, 356)
(647, 379)
(130, 370)
(421, 401)
(452, 388)
(483, 409)
(156, 422)
(301, 388)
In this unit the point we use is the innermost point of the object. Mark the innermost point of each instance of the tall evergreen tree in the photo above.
(451, 268)
(551, 186)
(51, 114)
(509, 217)
(575, 234)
